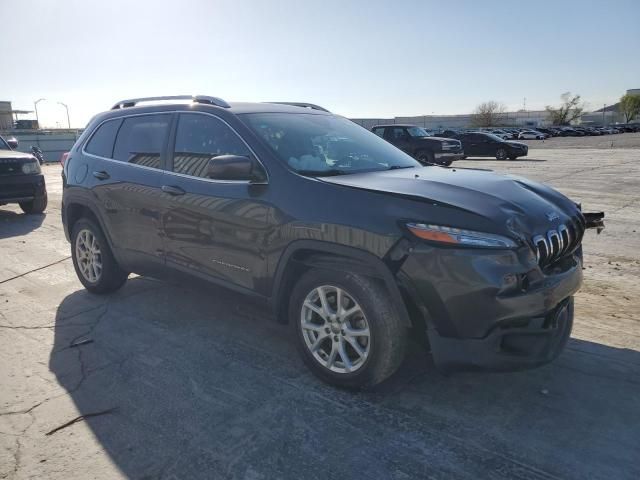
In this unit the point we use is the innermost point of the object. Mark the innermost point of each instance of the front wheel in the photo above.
(346, 328)
(501, 154)
(37, 205)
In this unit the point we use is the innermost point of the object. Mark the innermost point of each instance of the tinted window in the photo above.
(200, 138)
(140, 139)
(398, 133)
(379, 131)
(101, 143)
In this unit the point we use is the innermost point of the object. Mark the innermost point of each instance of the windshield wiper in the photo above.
(398, 167)
(323, 173)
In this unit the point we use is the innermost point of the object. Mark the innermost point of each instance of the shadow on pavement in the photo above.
(14, 224)
(204, 387)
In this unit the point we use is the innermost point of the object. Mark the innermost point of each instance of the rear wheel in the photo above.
(37, 205)
(501, 154)
(93, 260)
(346, 328)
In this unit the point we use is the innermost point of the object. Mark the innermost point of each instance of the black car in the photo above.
(420, 144)
(21, 180)
(347, 238)
(478, 144)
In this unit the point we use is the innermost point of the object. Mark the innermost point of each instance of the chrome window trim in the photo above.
(211, 180)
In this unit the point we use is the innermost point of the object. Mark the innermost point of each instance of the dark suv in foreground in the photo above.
(351, 241)
(21, 180)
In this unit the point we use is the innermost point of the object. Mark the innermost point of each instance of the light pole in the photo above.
(67, 109)
(35, 104)
(604, 109)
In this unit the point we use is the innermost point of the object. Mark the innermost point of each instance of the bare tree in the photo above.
(630, 106)
(488, 114)
(570, 109)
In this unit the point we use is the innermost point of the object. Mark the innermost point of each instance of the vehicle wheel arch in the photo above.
(74, 210)
(303, 255)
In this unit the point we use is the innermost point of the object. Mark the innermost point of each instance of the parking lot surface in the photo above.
(168, 381)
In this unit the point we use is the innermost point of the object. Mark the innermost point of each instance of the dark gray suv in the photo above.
(348, 239)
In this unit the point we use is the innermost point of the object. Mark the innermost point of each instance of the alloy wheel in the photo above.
(88, 256)
(335, 329)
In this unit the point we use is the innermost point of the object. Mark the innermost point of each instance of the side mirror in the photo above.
(13, 142)
(235, 167)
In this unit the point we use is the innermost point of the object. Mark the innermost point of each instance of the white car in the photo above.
(531, 135)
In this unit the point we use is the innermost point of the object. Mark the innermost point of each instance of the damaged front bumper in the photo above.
(492, 310)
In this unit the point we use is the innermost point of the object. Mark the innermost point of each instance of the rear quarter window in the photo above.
(101, 142)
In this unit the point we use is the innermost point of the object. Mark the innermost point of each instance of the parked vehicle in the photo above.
(531, 135)
(346, 237)
(37, 152)
(488, 145)
(21, 180)
(420, 144)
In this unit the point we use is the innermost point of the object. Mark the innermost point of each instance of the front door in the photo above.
(214, 229)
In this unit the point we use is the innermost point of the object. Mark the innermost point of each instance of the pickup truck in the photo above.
(420, 144)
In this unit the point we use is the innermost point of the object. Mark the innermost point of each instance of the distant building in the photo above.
(6, 116)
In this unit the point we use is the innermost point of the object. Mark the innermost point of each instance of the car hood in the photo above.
(513, 204)
(14, 155)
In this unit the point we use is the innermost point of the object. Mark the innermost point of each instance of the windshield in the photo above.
(418, 132)
(325, 145)
(4, 145)
(495, 137)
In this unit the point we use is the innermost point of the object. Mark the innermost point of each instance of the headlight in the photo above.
(457, 236)
(30, 167)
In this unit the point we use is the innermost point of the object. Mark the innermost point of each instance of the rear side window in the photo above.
(140, 139)
(199, 138)
(101, 143)
(379, 131)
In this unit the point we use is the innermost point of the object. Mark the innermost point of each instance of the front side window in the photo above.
(200, 138)
(140, 139)
(418, 132)
(320, 145)
(101, 142)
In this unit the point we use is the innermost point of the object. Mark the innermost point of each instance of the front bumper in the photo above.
(21, 188)
(494, 310)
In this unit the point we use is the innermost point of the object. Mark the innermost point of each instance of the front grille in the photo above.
(10, 167)
(556, 243)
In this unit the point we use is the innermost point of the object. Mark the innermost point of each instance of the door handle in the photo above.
(101, 175)
(171, 190)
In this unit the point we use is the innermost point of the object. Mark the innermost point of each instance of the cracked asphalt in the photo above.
(166, 381)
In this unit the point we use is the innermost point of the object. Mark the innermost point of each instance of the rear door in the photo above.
(214, 229)
(399, 137)
(126, 175)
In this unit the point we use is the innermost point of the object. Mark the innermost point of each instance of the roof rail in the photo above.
(303, 105)
(218, 102)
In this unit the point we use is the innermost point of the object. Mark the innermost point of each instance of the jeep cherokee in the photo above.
(351, 241)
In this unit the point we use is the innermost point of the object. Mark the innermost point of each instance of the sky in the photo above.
(357, 58)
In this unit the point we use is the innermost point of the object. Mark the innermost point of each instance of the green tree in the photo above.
(487, 114)
(630, 106)
(570, 109)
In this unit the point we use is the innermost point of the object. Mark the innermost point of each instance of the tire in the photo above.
(501, 154)
(426, 158)
(37, 205)
(109, 277)
(446, 163)
(382, 351)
